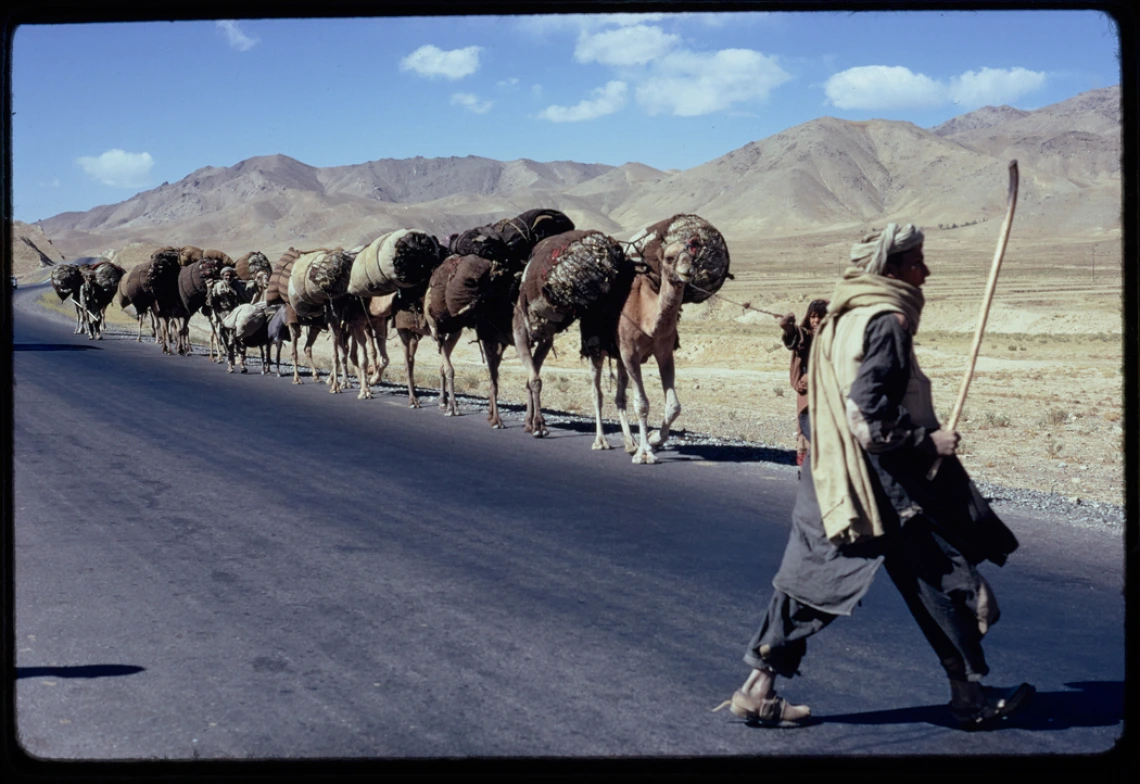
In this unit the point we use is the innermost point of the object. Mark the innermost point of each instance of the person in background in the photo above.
(798, 341)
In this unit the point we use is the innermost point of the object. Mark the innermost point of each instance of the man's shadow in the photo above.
(1093, 704)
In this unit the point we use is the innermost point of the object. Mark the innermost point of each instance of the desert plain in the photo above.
(1044, 409)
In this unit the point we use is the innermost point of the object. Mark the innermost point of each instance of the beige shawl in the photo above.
(840, 472)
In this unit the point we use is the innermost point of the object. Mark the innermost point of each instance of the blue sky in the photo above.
(99, 116)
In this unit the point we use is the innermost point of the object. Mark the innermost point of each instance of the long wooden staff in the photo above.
(1003, 238)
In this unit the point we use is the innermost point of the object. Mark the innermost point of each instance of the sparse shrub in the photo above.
(1053, 446)
(1112, 416)
(990, 419)
(1021, 348)
(1013, 348)
(1055, 416)
(779, 391)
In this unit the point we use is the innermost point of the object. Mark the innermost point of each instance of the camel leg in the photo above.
(596, 366)
(493, 350)
(377, 346)
(644, 454)
(532, 358)
(364, 347)
(313, 334)
(295, 340)
(447, 375)
(411, 342)
(672, 404)
(340, 357)
(620, 401)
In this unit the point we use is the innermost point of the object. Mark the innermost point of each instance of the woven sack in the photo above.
(251, 263)
(710, 268)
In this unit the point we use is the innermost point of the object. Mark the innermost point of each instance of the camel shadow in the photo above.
(53, 347)
(1093, 704)
(80, 671)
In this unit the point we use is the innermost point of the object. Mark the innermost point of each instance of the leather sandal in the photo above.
(772, 711)
(997, 705)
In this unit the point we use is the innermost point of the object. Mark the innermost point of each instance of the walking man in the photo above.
(865, 501)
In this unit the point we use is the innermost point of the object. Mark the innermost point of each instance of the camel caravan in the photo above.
(517, 282)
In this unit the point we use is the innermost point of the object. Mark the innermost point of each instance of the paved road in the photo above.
(229, 566)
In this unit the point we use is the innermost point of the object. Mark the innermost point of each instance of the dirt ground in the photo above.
(1044, 409)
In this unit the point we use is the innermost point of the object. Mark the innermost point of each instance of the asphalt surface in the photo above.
(231, 567)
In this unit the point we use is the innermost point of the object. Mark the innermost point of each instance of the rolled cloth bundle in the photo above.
(252, 263)
(278, 291)
(469, 283)
(221, 257)
(710, 268)
(161, 275)
(194, 281)
(871, 254)
(188, 255)
(169, 252)
(106, 275)
(569, 272)
(526, 230)
(132, 287)
(317, 278)
(482, 241)
(437, 293)
(398, 259)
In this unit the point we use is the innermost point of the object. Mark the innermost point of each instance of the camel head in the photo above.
(679, 259)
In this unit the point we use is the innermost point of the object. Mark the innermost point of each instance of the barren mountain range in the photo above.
(820, 175)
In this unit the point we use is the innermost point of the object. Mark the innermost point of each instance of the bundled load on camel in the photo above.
(568, 273)
(66, 280)
(194, 281)
(469, 282)
(318, 278)
(247, 320)
(278, 292)
(252, 263)
(437, 291)
(219, 256)
(131, 291)
(106, 275)
(161, 274)
(482, 241)
(169, 252)
(710, 268)
(523, 232)
(188, 255)
(399, 259)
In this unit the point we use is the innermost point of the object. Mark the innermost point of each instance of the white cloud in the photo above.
(118, 168)
(994, 86)
(882, 87)
(630, 45)
(536, 90)
(508, 84)
(432, 61)
(687, 84)
(235, 37)
(874, 87)
(471, 102)
(53, 183)
(605, 100)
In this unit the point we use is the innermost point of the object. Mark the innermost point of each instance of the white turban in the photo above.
(871, 254)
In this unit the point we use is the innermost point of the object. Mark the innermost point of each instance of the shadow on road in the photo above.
(82, 671)
(53, 347)
(1093, 704)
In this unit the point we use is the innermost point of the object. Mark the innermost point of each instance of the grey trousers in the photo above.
(936, 581)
